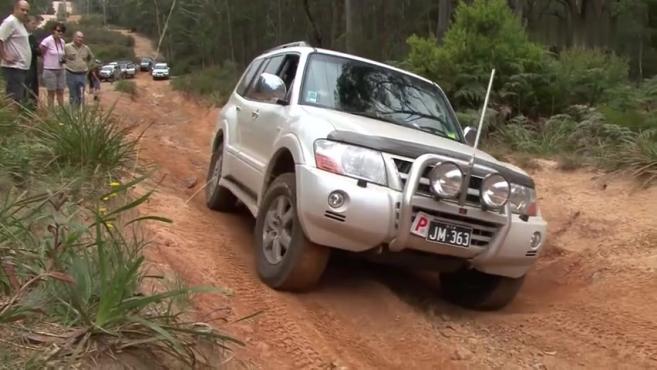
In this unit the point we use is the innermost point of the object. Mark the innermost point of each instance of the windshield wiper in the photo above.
(432, 130)
(429, 129)
(374, 116)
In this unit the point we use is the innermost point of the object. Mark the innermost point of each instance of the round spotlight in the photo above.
(336, 199)
(446, 179)
(495, 191)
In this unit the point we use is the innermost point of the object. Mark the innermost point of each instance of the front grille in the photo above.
(483, 232)
(404, 167)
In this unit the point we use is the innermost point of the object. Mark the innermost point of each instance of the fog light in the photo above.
(535, 241)
(336, 199)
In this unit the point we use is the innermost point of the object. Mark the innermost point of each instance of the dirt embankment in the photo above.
(589, 302)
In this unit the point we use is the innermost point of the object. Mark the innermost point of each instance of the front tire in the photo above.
(285, 258)
(478, 290)
(218, 197)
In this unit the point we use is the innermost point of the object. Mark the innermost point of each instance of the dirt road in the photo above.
(589, 303)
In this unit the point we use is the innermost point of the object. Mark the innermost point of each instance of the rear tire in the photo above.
(218, 197)
(285, 258)
(480, 291)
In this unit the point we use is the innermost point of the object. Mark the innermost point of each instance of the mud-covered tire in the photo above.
(218, 197)
(477, 290)
(302, 263)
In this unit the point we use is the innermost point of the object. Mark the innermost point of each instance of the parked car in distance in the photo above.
(146, 64)
(160, 71)
(109, 72)
(128, 68)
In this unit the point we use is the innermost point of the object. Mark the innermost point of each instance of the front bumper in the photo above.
(376, 216)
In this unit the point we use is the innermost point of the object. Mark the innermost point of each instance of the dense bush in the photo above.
(214, 82)
(529, 80)
(483, 36)
(586, 76)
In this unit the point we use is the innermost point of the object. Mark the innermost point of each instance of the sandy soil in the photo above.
(588, 303)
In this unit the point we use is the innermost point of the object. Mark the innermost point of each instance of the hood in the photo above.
(409, 142)
(342, 121)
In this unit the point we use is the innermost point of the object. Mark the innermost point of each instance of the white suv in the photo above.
(329, 150)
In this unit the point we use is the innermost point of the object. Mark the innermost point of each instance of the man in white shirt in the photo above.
(15, 51)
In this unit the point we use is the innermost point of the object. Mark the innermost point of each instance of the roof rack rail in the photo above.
(289, 45)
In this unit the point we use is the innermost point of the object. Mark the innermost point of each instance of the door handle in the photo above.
(255, 114)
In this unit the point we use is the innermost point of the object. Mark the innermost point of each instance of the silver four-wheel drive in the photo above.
(329, 150)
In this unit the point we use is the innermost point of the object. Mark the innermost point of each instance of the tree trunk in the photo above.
(230, 32)
(279, 29)
(349, 20)
(445, 9)
(336, 24)
(317, 36)
(157, 18)
(166, 25)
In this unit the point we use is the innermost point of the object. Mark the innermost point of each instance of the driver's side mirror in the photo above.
(470, 134)
(270, 88)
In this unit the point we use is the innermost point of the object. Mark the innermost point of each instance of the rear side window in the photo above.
(248, 76)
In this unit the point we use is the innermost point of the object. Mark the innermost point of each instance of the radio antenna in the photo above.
(468, 175)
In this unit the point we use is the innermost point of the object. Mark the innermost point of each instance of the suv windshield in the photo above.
(369, 90)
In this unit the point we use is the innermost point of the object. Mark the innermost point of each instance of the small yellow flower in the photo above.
(105, 199)
(102, 210)
(115, 184)
(110, 226)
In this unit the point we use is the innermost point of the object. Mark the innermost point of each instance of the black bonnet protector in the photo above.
(414, 150)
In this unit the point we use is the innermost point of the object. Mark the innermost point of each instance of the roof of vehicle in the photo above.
(305, 48)
(161, 64)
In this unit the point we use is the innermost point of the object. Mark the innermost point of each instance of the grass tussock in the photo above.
(127, 87)
(583, 137)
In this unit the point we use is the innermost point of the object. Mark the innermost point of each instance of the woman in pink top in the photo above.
(54, 74)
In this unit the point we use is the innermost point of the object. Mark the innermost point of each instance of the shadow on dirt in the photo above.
(420, 290)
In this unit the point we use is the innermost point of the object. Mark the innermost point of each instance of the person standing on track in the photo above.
(15, 52)
(78, 58)
(32, 78)
(54, 74)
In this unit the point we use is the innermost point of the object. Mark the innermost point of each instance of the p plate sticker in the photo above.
(311, 96)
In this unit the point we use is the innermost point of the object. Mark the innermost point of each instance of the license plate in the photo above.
(441, 232)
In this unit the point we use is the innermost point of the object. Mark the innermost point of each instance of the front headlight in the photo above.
(349, 160)
(523, 200)
(495, 191)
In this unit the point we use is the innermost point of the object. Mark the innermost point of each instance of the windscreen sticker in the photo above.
(452, 135)
(311, 96)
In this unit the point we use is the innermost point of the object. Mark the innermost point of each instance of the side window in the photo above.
(288, 70)
(284, 66)
(274, 64)
(248, 76)
(271, 65)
